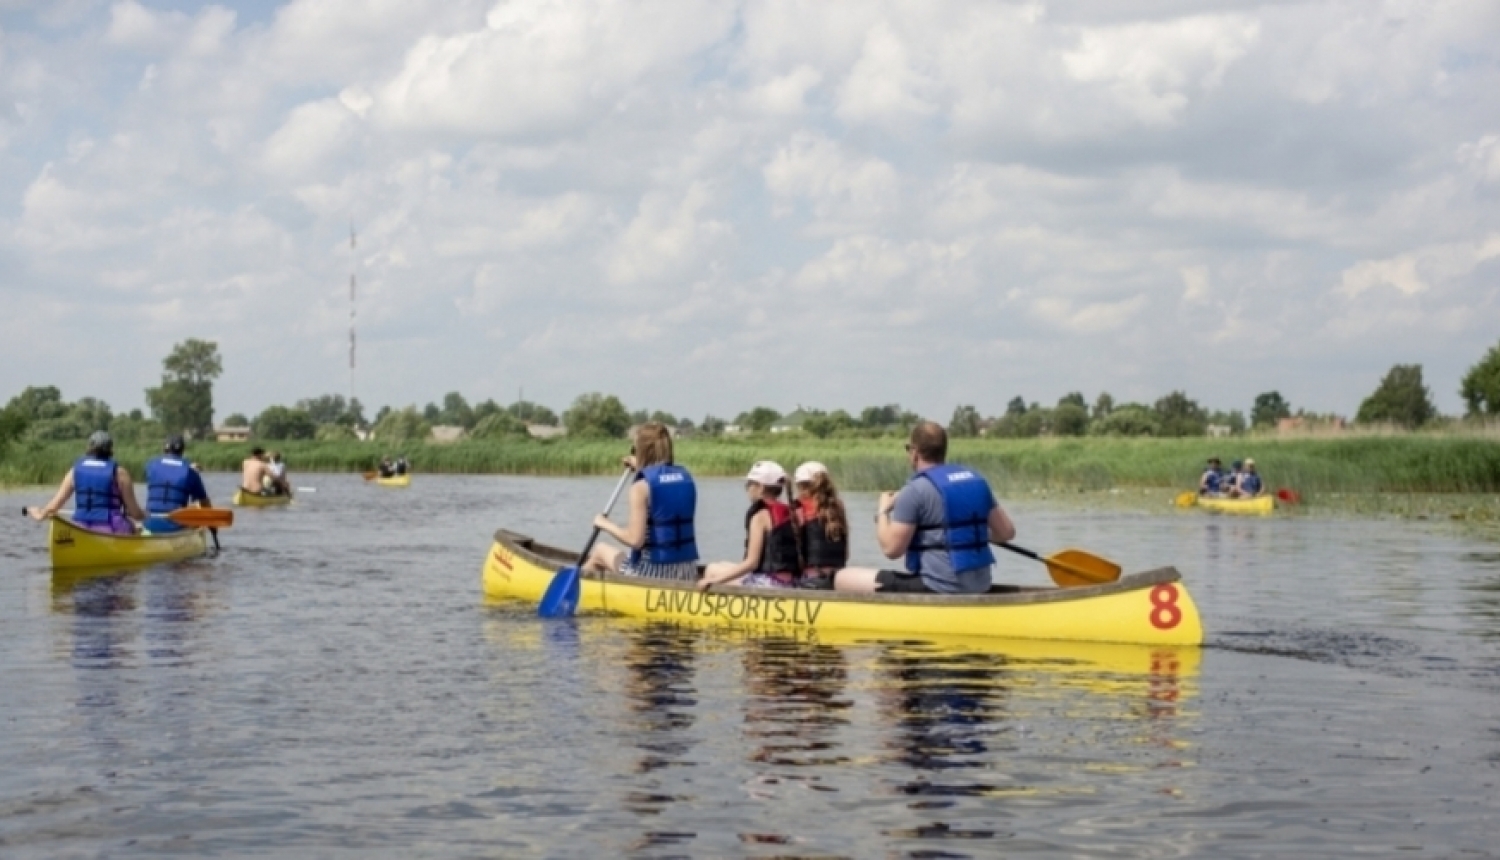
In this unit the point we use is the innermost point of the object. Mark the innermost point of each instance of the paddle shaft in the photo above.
(594, 536)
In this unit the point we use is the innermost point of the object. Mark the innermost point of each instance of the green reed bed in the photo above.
(1383, 464)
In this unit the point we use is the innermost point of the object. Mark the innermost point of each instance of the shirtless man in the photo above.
(254, 472)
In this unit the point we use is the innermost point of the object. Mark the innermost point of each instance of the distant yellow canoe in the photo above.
(395, 481)
(1151, 608)
(251, 500)
(1258, 506)
(71, 545)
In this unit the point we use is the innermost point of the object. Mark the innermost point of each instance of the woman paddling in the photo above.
(102, 491)
(772, 559)
(663, 501)
(822, 525)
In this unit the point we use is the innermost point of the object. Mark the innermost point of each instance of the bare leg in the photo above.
(604, 559)
(856, 579)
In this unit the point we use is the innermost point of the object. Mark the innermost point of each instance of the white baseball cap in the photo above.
(766, 473)
(806, 471)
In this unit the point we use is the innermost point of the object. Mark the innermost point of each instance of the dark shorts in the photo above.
(900, 582)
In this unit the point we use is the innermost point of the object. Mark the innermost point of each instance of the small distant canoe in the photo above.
(395, 481)
(1151, 608)
(251, 500)
(1258, 506)
(72, 545)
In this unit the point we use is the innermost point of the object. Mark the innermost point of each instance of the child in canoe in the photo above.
(772, 559)
(822, 525)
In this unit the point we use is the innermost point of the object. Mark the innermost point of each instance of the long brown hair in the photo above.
(830, 506)
(653, 444)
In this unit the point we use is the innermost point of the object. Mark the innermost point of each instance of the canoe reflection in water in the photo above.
(660, 663)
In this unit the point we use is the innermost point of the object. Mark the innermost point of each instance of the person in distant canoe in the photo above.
(663, 502)
(102, 492)
(280, 484)
(772, 558)
(171, 483)
(387, 468)
(1212, 481)
(1249, 485)
(822, 525)
(255, 473)
(1229, 485)
(943, 521)
(401, 465)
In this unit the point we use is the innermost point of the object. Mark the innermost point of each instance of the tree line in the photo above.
(183, 403)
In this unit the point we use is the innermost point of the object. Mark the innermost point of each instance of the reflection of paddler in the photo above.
(795, 700)
(943, 707)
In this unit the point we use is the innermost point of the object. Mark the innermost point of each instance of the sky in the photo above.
(702, 206)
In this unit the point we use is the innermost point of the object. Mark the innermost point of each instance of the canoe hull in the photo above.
(395, 481)
(1259, 506)
(250, 500)
(1152, 608)
(72, 546)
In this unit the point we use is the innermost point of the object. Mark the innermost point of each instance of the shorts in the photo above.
(900, 582)
(682, 571)
(765, 580)
(117, 525)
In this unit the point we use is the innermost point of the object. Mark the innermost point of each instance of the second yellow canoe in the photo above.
(1258, 506)
(252, 500)
(395, 481)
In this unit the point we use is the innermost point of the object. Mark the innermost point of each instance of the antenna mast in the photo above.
(353, 262)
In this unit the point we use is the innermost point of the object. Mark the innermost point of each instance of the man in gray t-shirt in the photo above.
(919, 507)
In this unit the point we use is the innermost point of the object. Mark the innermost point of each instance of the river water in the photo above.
(333, 685)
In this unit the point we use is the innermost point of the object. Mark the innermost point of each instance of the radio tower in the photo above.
(353, 262)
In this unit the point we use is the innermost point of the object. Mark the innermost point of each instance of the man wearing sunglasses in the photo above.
(943, 522)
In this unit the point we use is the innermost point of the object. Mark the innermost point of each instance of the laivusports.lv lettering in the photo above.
(734, 607)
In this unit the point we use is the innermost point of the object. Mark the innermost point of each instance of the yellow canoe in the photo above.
(395, 481)
(1258, 506)
(72, 545)
(1151, 608)
(251, 500)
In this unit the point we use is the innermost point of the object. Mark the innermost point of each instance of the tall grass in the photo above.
(1410, 463)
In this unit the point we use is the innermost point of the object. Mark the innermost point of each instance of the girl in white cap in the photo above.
(822, 525)
(771, 557)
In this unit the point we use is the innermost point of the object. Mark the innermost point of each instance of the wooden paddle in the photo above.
(1186, 500)
(561, 597)
(370, 476)
(1073, 568)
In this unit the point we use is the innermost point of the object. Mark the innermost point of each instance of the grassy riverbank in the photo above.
(1313, 466)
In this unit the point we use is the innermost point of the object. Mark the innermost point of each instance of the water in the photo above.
(334, 686)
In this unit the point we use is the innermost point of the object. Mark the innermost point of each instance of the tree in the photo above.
(184, 402)
(279, 422)
(137, 428)
(332, 409)
(1179, 415)
(1269, 408)
(532, 413)
(500, 425)
(880, 417)
(1400, 399)
(759, 419)
(401, 425)
(665, 418)
(1016, 406)
(1103, 405)
(1234, 419)
(456, 411)
(13, 423)
(712, 426)
(1129, 420)
(1075, 398)
(236, 420)
(335, 433)
(1481, 385)
(1070, 418)
(597, 416)
(38, 403)
(964, 423)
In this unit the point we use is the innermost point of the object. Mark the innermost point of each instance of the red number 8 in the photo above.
(1164, 612)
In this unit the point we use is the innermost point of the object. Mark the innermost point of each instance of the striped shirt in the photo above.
(686, 571)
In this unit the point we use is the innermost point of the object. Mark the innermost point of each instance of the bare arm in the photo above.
(64, 492)
(1001, 528)
(127, 494)
(633, 534)
(892, 537)
(760, 526)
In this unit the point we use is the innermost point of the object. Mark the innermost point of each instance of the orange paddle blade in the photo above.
(1072, 568)
(203, 518)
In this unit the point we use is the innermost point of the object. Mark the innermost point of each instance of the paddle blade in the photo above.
(202, 518)
(370, 476)
(1074, 568)
(1185, 500)
(561, 599)
(1291, 497)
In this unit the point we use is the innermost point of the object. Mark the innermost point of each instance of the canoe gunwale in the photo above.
(555, 558)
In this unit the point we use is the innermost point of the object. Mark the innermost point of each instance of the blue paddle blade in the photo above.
(561, 598)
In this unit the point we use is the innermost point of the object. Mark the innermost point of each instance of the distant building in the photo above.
(545, 431)
(733, 430)
(791, 423)
(445, 433)
(232, 434)
(1218, 431)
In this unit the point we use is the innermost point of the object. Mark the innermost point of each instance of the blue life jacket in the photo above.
(1211, 480)
(1250, 483)
(966, 519)
(96, 496)
(167, 482)
(669, 516)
